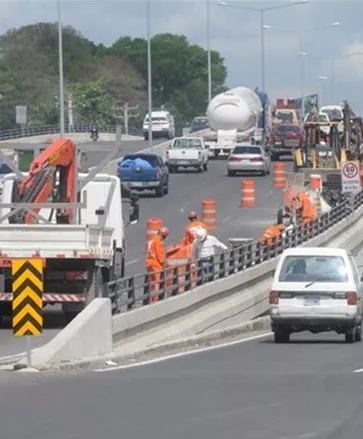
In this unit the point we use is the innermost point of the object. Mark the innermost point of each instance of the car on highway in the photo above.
(316, 289)
(143, 172)
(187, 152)
(284, 139)
(198, 124)
(246, 157)
(162, 125)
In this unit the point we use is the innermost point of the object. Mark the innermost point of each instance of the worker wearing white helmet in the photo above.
(205, 248)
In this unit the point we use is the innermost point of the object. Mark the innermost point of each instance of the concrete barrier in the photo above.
(76, 137)
(88, 335)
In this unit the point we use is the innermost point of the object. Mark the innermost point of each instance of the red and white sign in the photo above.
(350, 177)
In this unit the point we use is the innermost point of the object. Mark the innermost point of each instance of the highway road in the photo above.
(253, 390)
(187, 190)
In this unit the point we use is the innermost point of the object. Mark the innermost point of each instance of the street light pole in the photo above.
(149, 78)
(209, 54)
(61, 77)
(262, 49)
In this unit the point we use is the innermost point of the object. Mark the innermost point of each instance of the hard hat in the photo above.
(164, 232)
(192, 214)
(200, 234)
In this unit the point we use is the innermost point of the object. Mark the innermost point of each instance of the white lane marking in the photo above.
(185, 354)
(227, 218)
(269, 193)
(358, 370)
(133, 261)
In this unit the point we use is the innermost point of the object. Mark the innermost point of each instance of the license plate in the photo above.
(277, 143)
(311, 301)
(183, 162)
(138, 184)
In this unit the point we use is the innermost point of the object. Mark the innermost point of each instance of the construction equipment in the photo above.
(323, 153)
(82, 246)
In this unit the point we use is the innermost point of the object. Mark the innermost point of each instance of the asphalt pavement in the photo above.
(254, 390)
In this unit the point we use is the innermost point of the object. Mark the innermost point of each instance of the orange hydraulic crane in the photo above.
(51, 174)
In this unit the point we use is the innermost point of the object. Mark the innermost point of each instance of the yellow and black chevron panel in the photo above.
(27, 278)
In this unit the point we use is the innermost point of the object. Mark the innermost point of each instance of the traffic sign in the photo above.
(350, 177)
(27, 285)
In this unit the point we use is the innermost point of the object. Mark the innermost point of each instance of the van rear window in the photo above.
(313, 269)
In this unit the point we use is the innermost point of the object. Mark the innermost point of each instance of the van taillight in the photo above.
(274, 298)
(352, 298)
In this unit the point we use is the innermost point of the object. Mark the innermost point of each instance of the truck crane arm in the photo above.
(41, 183)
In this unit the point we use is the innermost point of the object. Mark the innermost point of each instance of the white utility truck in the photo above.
(82, 244)
(187, 152)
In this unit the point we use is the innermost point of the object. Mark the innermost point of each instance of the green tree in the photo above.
(93, 104)
(179, 71)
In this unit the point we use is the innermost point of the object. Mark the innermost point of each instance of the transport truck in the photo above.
(233, 115)
(72, 222)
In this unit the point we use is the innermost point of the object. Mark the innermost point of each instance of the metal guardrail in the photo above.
(134, 291)
(30, 131)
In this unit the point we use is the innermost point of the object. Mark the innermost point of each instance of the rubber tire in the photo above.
(349, 337)
(281, 336)
(231, 173)
(205, 166)
(160, 191)
(358, 333)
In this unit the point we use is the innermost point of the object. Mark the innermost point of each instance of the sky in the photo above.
(235, 33)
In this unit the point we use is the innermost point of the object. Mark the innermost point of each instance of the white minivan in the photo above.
(316, 289)
(162, 125)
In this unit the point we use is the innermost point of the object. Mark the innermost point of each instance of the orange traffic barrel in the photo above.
(315, 182)
(279, 174)
(152, 226)
(209, 213)
(247, 193)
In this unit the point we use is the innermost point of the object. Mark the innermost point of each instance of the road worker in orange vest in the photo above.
(155, 261)
(192, 227)
(272, 234)
(309, 211)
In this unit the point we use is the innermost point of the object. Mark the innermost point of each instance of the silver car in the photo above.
(248, 158)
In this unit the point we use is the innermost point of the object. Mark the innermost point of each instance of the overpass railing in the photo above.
(135, 291)
(31, 131)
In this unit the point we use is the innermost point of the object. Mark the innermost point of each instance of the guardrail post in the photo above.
(146, 290)
(231, 262)
(187, 281)
(222, 266)
(241, 259)
(131, 299)
(175, 282)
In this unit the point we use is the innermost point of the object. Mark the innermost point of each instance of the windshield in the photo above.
(247, 150)
(313, 269)
(199, 125)
(152, 159)
(285, 116)
(283, 129)
(156, 119)
(187, 143)
(5, 169)
(333, 114)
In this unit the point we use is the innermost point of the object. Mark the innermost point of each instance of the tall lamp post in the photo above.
(209, 54)
(302, 54)
(262, 26)
(61, 74)
(149, 77)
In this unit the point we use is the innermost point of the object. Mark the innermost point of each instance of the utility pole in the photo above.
(129, 115)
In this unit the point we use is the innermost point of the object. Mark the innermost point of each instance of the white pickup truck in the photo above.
(187, 152)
